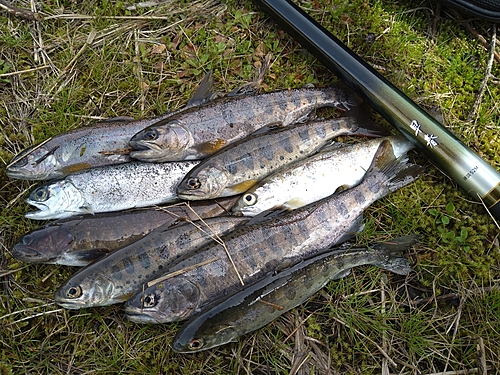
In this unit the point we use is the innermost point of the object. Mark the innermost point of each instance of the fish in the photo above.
(108, 189)
(201, 131)
(300, 183)
(104, 143)
(264, 301)
(80, 240)
(267, 243)
(115, 277)
(238, 166)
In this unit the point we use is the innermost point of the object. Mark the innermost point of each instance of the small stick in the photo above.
(24, 71)
(19, 12)
(487, 75)
(15, 160)
(481, 357)
(474, 32)
(220, 242)
(179, 272)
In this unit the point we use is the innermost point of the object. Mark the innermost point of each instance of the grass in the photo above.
(91, 60)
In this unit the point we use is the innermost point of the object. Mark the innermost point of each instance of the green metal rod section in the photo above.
(472, 173)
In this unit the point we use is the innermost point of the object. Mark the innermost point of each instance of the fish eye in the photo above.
(149, 300)
(41, 194)
(193, 183)
(150, 135)
(196, 344)
(250, 199)
(74, 292)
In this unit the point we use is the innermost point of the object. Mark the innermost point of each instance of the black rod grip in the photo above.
(453, 157)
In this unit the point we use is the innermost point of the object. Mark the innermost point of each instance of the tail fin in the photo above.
(397, 172)
(390, 260)
(362, 125)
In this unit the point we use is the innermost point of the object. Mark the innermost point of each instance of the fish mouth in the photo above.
(140, 317)
(145, 151)
(42, 213)
(144, 145)
(25, 253)
(192, 195)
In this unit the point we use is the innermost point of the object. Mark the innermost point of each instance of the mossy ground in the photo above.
(90, 60)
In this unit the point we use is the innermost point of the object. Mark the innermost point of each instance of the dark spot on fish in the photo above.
(304, 135)
(286, 144)
(127, 282)
(267, 152)
(303, 230)
(183, 241)
(321, 131)
(374, 187)
(231, 125)
(282, 157)
(342, 209)
(128, 265)
(290, 293)
(282, 104)
(145, 262)
(115, 270)
(163, 252)
(359, 197)
(247, 161)
(231, 168)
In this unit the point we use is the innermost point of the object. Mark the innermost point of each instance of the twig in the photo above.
(89, 41)
(385, 364)
(481, 357)
(487, 210)
(24, 71)
(474, 32)
(180, 272)
(487, 75)
(219, 240)
(35, 316)
(25, 14)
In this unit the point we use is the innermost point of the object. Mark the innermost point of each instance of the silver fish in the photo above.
(108, 189)
(238, 166)
(316, 177)
(104, 143)
(265, 245)
(201, 131)
(261, 303)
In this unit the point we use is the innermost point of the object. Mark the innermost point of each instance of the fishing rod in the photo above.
(453, 157)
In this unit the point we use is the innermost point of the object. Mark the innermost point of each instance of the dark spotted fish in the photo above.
(263, 246)
(113, 278)
(261, 303)
(237, 167)
(201, 131)
(80, 240)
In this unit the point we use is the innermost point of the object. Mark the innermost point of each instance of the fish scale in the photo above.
(238, 166)
(267, 244)
(195, 134)
(126, 270)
